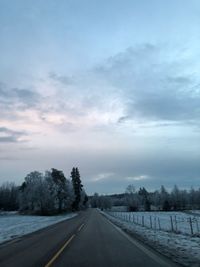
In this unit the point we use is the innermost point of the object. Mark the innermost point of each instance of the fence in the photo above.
(162, 221)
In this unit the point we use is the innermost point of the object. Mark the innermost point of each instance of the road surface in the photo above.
(88, 240)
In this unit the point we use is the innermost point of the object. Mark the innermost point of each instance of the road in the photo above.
(88, 240)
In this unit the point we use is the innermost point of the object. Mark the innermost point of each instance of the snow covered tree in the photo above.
(105, 202)
(48, 194)
(102, 202)
(94, 201)
(31, 197)
(176, 198)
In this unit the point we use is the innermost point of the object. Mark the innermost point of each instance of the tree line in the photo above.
(45, 194)
(142, 199)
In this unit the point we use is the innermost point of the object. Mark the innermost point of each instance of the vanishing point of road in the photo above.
(87, 240)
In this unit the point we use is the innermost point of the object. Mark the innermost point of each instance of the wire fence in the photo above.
(180, 224)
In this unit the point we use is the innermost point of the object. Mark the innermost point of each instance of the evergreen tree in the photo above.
(77, 186)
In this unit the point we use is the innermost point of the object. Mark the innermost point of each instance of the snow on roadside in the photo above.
(15, 225)
(180, 248)
(180, 221)
(194, 212)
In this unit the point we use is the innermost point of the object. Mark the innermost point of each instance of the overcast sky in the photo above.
(110, 86)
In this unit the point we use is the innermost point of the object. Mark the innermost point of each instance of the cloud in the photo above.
(102, 176)
(123, 119)
(10, 136)
(8, 158)
(63, 79)
(16, 99)
(143, 84)
(153, 84)
(8, 139)
(163, 164)
(137, 178)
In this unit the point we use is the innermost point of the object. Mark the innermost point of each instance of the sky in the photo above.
(112, 87)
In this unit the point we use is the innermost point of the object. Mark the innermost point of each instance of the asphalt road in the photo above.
(88, 240)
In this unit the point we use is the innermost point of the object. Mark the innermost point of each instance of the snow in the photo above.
(167, 221)
(194, 212)
(180, 246)
(13, 225)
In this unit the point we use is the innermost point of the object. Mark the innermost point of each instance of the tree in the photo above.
(145, 199)
(176, 198)
(31, 197)
(164, 198)
(94, 201)
(85, 201)
(60, 187)
(46, 194)
(102, 202)
(166, 206)
(105, 202)
(131, 198)
(9, 196)
(77, 186)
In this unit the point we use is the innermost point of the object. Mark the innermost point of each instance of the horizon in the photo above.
(111, 87)
(90, 194)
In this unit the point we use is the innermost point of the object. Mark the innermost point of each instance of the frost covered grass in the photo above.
(13, 225)
(194, 212)
(180, 247)
(177, 222)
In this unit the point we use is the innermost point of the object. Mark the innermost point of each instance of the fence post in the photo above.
(150, 222)
(197, 224)
(172, 227)
(176, 223)
(155, 223)
(143, 221)
(191, 227)
(159, 223)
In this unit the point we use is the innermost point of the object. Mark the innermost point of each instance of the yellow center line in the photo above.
(59, 252)
(79, 229)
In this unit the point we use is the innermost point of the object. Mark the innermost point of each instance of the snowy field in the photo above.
(195, 212)
(13, 225)
(177, 222)
(180, 246)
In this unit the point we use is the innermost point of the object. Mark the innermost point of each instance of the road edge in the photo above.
(140, 242)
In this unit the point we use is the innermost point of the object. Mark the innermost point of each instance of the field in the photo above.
(177, 222)
(13, 225)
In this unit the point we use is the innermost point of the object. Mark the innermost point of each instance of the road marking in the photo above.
(59, 252)
(62, 248)
(79, 229)
(147, 251)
